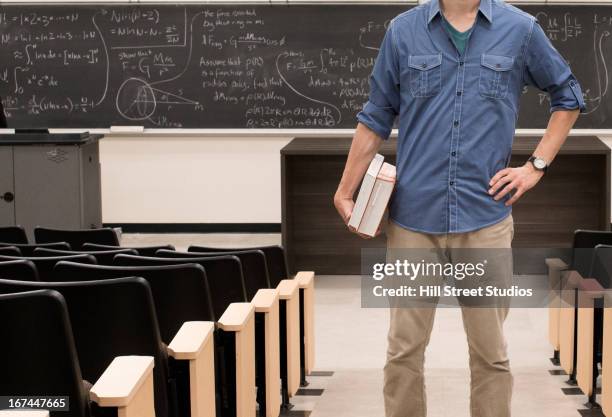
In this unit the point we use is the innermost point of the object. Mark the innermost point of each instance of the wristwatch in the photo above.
(538, 163)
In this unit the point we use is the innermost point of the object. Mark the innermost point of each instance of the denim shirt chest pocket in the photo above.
(495, 72)
(425, 74)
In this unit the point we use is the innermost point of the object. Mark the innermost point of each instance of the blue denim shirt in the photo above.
(457, 113)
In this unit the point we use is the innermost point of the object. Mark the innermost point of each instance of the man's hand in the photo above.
(344, 206)
(365, 144)
(520, 180)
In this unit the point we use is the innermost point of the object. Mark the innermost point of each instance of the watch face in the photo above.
(539, 163)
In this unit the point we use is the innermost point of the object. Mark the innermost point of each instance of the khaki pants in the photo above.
(410, 329)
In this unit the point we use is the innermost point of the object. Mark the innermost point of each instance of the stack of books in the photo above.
(373, 197)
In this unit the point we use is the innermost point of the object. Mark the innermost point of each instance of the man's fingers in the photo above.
(345, 212)
(364, 236)
(505, 190)
(499, 175)
(500, 183)
(347, 216)
(519, 192)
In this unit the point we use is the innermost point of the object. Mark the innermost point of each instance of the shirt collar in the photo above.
(485, 8)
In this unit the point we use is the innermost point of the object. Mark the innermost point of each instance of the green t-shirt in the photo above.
(459, 39)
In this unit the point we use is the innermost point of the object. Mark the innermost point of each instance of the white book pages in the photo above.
(377, 204)
(366, 189)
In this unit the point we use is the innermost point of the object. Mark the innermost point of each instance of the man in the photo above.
(452, 73)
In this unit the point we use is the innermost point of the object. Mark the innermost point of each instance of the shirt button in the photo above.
(458, 93)
(453, 153)
(460, 63)
(456, 123)
(452, 183)
(424, 65)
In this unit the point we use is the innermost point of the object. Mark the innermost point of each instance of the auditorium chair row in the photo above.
(255, 265)
(197, 288)
(76, 238)
(580, 315)
(107, 239)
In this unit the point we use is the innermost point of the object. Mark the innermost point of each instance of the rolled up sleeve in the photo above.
(546, 70)
(381, 109)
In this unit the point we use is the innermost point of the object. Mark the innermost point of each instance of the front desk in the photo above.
(574, 194)
(50, 180)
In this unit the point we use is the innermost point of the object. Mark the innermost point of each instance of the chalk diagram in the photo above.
(300, 94)
(138, 99)
(601, 69)
(370, 28)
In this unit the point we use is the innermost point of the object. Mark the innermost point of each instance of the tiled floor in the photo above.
(351, 342)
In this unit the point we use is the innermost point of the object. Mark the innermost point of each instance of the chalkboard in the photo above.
(236, 66)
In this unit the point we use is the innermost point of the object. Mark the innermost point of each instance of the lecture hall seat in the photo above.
(102, 257)
(13, 234)
(272, 338)
(277, 270)
(562, 320)
(77, 238)
(116, 317)
(590, 322)
(10, 251)
(606, 356)
(142, 250)
(181, 294)
(44, 265)
(38, 318)
(227, 288)
(223, 273)
(286, 301)
(19, 270)
(28, 249)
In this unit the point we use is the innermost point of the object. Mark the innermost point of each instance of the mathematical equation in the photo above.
(224, 66)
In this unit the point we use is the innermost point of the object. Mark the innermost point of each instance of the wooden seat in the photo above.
(257, 284)
(35, 319)
(590, 322)
(561, 320)
(606, 356)
(181, 295)
(228, 292)
(277, 270)
(117, 317)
